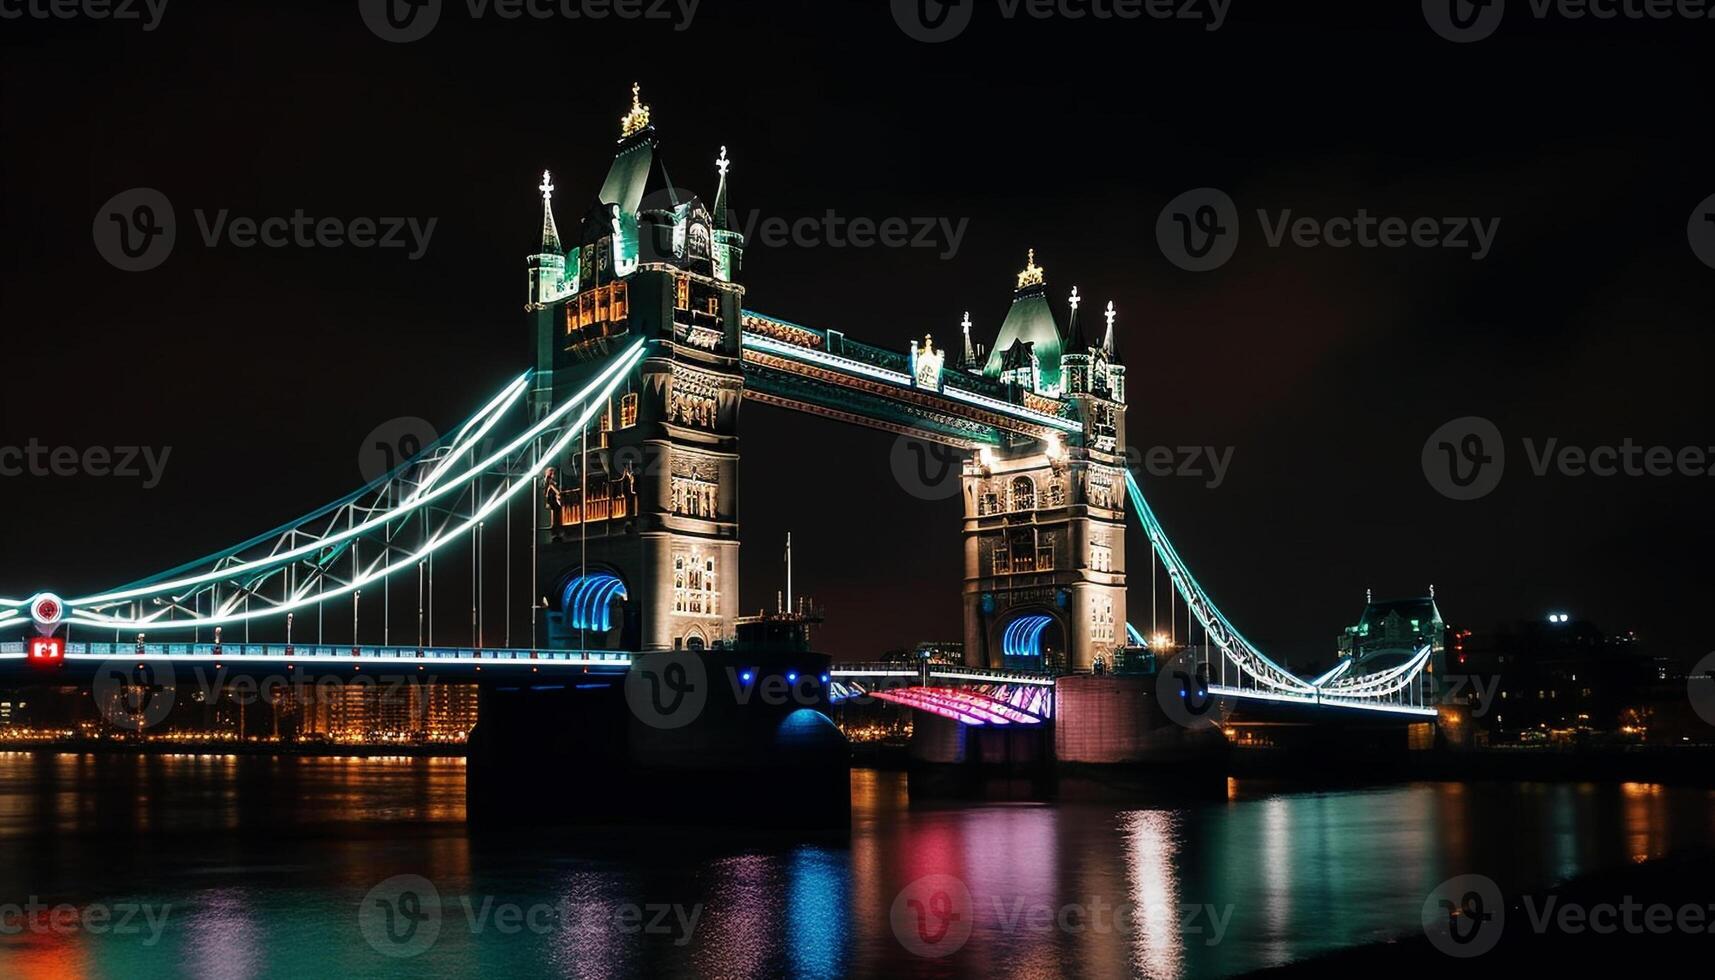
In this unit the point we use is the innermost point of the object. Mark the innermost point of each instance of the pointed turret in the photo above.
(1110, 353)
(968, 359)
(550, 232)
(548, 281)
(729, 242)
(1031, 322)
(1073, 341)
(722, 164)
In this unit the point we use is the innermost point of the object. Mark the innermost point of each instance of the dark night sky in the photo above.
(1325, 370)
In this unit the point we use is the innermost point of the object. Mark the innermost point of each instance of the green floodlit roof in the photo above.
(1032, 321)
(627, 177)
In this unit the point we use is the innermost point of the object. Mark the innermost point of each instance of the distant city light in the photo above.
(1558, 618)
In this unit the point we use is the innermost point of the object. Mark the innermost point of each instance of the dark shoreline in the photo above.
(1676, 882)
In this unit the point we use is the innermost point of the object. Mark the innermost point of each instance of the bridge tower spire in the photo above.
(1045, 581)
(638, 549)
(547, 279)
(729, 241)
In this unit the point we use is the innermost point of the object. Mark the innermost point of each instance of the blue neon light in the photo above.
(1023, 636)
(588, 601)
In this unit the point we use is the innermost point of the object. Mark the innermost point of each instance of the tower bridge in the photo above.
(585, 518)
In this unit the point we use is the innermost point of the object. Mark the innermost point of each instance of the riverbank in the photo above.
(1653, 914)
(224, 747)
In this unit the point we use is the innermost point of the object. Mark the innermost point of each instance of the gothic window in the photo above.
(1044, 553)
(1102, 620)
(683, 293)
(1024, 493)
(988, 504)
(628, 411)
(694, 588)
(1101, 558)
(695, 498)
(1023, 551)
(1002, 558)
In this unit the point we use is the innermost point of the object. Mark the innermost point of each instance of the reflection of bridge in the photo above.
(589, 510)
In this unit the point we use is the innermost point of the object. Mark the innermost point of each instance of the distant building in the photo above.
(1560, 676)
(1394, 631)
(936, 654)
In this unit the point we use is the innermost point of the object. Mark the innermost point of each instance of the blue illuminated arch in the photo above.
(1023, 636)
(588, 601)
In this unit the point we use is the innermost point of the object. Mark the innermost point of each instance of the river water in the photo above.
(127, 866)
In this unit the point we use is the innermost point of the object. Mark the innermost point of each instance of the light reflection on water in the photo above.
(264, 862)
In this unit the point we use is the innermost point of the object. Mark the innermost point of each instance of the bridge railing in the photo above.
(282, 651)
(890, 668)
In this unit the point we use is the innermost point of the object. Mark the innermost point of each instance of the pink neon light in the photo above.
(966, 707)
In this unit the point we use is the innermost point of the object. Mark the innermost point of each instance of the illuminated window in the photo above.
(1101, 558)
(1023, 551)
(1044, 553)
(683, 293)
(1002, 558)
(628, 411)
(1024, 493)
(1102, 620)
(694, 587)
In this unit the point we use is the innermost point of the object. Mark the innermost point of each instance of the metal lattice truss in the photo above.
(389, 528)
(1400, 688)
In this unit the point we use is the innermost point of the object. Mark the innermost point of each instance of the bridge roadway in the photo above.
(83, 660)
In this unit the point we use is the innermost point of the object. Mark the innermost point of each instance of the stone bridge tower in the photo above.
(638, 530)
(1044, 526)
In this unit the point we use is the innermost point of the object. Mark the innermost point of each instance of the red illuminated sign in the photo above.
(47, 651)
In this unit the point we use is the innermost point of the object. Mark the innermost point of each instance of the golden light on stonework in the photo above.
(637, 119)
(1033, 275)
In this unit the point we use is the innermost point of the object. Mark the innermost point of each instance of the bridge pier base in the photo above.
(735, 754)
(1116, 720)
